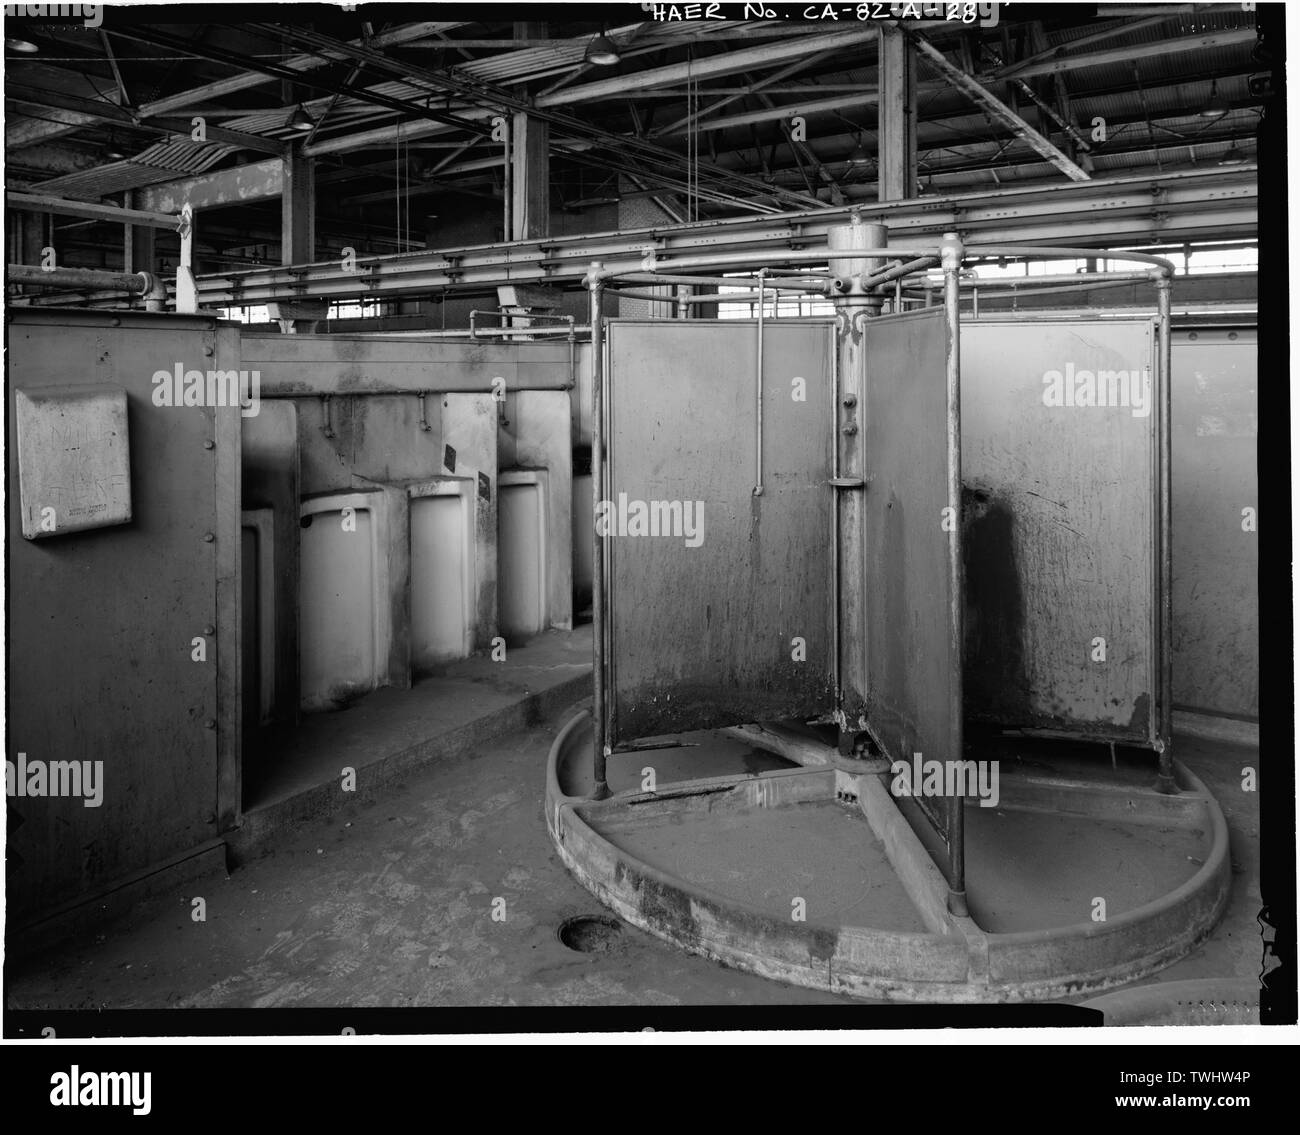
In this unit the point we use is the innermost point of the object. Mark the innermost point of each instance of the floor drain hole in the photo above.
(590, 934)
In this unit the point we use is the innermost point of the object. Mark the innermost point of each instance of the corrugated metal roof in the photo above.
(161, 162)
(1226, 18)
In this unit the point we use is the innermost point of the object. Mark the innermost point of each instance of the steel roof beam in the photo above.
(998, 110)
(629, 149)
(250, 79)
(728, 63)
(1177, 46)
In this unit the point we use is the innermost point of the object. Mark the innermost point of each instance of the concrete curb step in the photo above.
(262, 825)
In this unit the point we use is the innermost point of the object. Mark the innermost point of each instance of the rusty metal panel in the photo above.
(704, 620)
(1060, 524)
(913, 674)
(1216, 548)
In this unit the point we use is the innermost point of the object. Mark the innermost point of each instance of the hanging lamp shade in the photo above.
(602, 52)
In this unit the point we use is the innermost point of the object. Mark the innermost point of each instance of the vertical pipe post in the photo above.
(508, 185)
(951, 255)
(1164, 455)
(758, 396)
(854, 306)
(600, 739)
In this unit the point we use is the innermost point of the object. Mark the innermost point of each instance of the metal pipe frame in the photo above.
(1164, 455)
(748, 297)
(600, 732)
(951, 254)
(803, 282)
(758, 395)
(1217, 202)
(952, 260)
(507, 330)
(896, 272)
(649, 297)
(1079, 279)
(463, 334)
(921, 261)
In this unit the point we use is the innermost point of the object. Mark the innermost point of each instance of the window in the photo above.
(358, 309)
(785, 305)
(257, 314)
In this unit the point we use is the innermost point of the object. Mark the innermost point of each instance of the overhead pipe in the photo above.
(566, 258)
(146, 284)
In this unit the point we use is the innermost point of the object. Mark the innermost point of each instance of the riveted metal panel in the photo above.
(704, 620)
(1060, 524)
(105, 626)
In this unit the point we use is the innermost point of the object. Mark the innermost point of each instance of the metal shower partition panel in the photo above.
(719, 598)
(1060, 470)
(910, 578)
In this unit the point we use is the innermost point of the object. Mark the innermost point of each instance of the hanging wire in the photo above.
(692, 138)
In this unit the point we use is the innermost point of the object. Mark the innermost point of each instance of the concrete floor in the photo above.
(389, 903)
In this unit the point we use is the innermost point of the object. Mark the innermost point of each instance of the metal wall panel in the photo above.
(1060, 525)
(102, 623)
(913, 676)
(1216, 556)
(703, 636)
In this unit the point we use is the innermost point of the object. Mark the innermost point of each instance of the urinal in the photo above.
(442, 570)
(522, 608)
(344, 608)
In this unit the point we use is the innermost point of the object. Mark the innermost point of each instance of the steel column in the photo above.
(897, 116)
(298, 210)
(529, 170)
